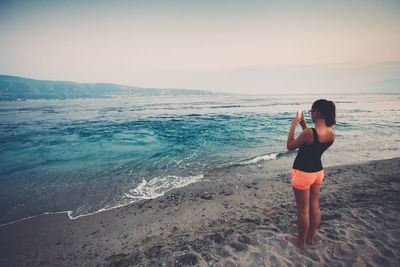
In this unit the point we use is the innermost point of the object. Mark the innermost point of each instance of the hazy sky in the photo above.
(229, 46)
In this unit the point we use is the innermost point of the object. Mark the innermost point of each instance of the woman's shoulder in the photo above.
(331, 133)
(309, 135)
(309, 131)
(325, 134)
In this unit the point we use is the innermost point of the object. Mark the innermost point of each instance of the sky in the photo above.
(255, 47)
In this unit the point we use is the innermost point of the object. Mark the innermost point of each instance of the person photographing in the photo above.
(307, 172)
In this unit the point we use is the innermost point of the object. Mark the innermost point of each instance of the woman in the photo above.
(307, 172)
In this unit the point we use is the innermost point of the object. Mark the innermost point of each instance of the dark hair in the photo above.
(327, 109)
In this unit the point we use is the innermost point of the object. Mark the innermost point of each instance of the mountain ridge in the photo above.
(21, 88)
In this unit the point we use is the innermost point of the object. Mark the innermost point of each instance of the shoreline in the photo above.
(238, 216)
(256, 160)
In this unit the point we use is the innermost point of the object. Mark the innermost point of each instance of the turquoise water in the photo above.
(87, 155)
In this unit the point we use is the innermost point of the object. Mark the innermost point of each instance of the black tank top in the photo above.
(309, 156)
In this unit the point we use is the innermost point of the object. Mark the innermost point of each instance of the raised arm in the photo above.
(303, 122)
(304, 137)
(292, 129)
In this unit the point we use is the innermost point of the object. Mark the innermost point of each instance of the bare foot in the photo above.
(310, 242)
(295, 241)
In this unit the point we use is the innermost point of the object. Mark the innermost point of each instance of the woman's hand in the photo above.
(296, 120)
(303, 122)
(302, 119)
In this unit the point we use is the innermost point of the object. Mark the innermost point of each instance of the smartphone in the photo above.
(299, 112)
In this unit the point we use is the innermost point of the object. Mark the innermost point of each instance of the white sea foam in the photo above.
(158, 186)
(34, 216)
(270, 156)
(265, 157)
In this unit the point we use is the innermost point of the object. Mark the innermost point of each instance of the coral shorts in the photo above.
(303, 180)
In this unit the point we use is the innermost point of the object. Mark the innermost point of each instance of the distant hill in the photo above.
(14, 88)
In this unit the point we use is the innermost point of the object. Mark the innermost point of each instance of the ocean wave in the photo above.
(154, 188)
(255, 160)
(226, 106)
(158, 186)
(265, 157)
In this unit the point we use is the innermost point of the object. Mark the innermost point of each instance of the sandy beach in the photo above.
(238, 216)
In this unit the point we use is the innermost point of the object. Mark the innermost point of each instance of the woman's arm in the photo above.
(292, 129)
(293, 143)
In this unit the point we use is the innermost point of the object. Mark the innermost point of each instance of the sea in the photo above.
(84, 156)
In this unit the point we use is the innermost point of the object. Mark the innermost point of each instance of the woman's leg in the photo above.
(303, 221)
(315, 213)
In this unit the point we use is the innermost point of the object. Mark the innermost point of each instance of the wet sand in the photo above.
(239, 216)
